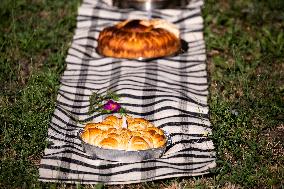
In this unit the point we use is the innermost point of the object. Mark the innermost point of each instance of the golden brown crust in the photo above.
(137, 38)
(90, 135)
(113, 121)
(138, 143)
(140, 134)
(109, 143)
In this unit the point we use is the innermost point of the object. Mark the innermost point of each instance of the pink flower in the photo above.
(112, 106)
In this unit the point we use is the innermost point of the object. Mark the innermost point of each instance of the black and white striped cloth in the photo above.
(170, 92)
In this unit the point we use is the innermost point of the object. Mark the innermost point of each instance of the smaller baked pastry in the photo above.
(113, 121)
(135, 39)
(109, 134)
(135, 124)
(91, 134)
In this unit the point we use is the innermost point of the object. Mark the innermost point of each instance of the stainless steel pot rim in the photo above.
(150, 4)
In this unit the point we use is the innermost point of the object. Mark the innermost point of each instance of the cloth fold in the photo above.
(170, 92)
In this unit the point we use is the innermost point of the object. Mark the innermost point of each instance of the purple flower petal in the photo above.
(112, 106)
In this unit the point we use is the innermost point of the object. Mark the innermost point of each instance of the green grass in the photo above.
(246, 61)
(245, 49)
(34, 39)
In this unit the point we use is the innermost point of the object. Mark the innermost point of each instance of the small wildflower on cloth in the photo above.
(112, 106)
(105, 103)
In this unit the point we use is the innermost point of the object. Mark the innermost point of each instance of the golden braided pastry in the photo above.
(140, 134)
(136, 39)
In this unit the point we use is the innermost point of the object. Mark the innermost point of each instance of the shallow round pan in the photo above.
(123, 155)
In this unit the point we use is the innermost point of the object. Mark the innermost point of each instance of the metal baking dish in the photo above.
(150, 4)
(123, 155)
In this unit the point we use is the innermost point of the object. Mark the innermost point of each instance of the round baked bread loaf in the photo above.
(109, 134)
(139, 39)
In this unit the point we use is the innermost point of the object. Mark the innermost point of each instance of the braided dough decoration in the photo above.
(140, 134)
(136, 39)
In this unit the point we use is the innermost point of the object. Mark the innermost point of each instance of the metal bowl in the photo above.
(150, 4)
(123, 155)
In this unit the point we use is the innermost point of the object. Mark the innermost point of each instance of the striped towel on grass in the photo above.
(170, 92)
